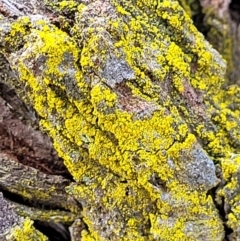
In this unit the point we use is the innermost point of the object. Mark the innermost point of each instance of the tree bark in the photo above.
(140, 110)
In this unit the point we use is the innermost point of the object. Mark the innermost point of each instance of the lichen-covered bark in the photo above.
(222, 22)
(221, 32)
(25, 231)
(34, 185)
(130, 93)
(219, 23)
(40, 191)
(14, 227)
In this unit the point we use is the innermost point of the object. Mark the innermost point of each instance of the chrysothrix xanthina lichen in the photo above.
(124, 99)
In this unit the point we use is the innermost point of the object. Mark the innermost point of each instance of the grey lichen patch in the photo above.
(8, 218)
(116, 71)
(200, 170)
(69, 71)
(197, 232)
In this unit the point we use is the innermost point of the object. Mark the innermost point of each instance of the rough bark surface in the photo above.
(131, 94)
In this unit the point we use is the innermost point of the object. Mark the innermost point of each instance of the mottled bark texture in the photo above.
(131, 94)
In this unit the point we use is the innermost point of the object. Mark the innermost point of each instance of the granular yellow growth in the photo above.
(120, 98)
(26, 232)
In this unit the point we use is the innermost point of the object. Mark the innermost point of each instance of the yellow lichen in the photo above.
(26, 232)
(128, 143)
